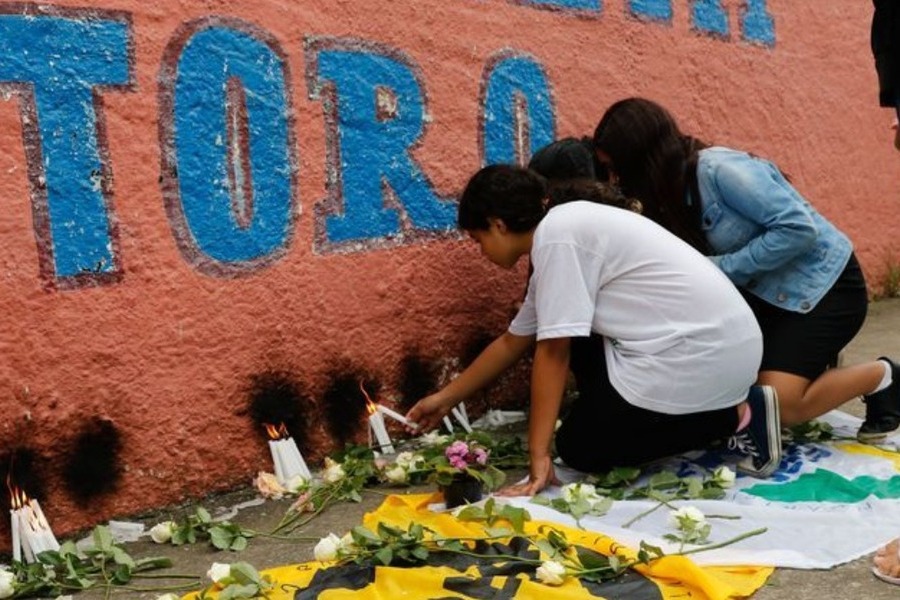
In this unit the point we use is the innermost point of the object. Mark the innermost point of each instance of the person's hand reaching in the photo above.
(541, 476)
(427, 413)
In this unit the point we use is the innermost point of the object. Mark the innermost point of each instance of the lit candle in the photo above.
(296, 464)
(16, 541)
(376, 422)
(277, 460)
(396, 416)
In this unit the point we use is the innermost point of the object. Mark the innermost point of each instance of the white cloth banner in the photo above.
(828, 503)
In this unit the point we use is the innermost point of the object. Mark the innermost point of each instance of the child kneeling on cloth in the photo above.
(681, 346)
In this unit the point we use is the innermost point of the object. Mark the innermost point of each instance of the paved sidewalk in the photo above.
(846, 582)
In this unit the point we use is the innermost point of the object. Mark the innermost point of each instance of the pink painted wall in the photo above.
(146, 361)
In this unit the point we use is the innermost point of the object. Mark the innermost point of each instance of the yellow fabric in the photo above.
(676, 577)
(854, 448)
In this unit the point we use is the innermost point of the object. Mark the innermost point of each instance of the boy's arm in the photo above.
(501, 354)
(548, 382)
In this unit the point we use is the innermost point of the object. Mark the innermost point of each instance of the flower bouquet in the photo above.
(462, 473)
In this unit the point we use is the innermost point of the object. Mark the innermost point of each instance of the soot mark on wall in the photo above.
(92, 465)
(344, 403)
(22, 467)
(476, 342)
(418, 379)
(275, 397)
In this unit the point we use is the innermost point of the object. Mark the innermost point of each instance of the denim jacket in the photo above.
(763, 234)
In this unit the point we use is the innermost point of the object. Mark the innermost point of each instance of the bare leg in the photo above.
(800, 399)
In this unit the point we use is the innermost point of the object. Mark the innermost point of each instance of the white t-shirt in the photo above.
(678, 336)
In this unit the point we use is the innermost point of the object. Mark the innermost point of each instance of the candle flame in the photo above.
(277, 433)
(370, 406)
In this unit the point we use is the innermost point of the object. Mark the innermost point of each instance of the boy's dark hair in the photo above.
(655, 163)
(513, 194)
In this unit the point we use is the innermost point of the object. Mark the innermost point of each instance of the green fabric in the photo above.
(827, 486)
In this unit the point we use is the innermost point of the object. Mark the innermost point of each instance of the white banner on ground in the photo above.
(828, 503)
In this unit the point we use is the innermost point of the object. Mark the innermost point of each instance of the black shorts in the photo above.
(807, 344)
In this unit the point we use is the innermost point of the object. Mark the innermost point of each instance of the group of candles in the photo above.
(289, 463)
(286, 457)
(31, 533)
(377, 428)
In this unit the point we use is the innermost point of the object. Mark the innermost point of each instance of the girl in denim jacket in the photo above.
(795, 268)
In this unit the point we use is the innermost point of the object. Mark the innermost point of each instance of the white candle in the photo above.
(462, 409)
(49, 541)
(16, 541)
(376, 422)
(461, 418)
(277, 460)
(448, 424)
(26, 535)
(396, 416)
(295, 460)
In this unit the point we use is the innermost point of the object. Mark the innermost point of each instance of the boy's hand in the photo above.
(427, 413)
(541, 476)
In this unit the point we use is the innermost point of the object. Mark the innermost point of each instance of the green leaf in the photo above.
(236, 590)
(591, 559)
(245, 573)
(102, 538)
(385, 555)
(602, 507)
(420, 552)
(472, 513)
(541, 500)
(239, 543)
(221, 538)
(694, 487)
(558, 539)
(516, 516)
(664, 480)
(121, 557)
(362, 536)
(203, 515)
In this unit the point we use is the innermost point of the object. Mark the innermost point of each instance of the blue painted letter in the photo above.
(375, 113)
(228, 162)
(654, 10)
(56, 63)
(518, 110)
(757, 23)
(709, 16)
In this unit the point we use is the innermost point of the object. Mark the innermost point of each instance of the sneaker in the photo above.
(882, 410)
(760, 441)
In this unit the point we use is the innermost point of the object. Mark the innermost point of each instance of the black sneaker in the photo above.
(882, 410)
(761, 439)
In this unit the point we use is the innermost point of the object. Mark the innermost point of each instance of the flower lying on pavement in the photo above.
(268, 486)
(551, 572)
(218, 572)
(333, 471)
(7, 589)
(162, 532)
(169, 596)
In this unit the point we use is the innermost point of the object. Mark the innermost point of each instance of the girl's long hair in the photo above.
(655, 163)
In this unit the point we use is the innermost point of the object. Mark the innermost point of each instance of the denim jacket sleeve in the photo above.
(778, 224)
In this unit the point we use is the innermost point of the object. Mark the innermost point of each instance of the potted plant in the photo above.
(462, 473)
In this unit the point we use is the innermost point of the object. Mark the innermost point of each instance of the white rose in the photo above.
(333, 472)
(169, 596)
(724, 477)
(685, 516)
(296, 484)
(162, 532)
(433, 438)
(409, 461)
(551, 572)
(347, 543)
(71, 597)
(7, 589)
(574, 492)
(396, 474)
(219, 571)
(327, 548)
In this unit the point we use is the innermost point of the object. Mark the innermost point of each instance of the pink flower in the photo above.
(481, 456)
(457, 448)
(458, 462)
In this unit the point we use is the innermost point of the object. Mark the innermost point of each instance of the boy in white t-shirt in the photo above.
(681, 346)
